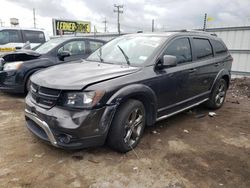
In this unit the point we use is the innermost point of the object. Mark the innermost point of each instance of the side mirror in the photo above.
(61, 55)
(169, 61)
(27, 46)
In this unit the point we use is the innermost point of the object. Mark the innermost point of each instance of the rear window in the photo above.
(33, 36)
(10, 36)
(203, 48)
(219, 48)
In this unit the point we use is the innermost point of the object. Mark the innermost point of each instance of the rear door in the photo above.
(204, 68)
(33, 37)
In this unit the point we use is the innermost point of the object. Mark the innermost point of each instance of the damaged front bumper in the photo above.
(9, 83)
(69, 129)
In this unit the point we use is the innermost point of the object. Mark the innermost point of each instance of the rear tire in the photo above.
(127, 126)
(218, 95)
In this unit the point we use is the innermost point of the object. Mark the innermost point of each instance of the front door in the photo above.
(173, 84)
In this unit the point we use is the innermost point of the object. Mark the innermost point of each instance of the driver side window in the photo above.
(74, 47)
(181, 49)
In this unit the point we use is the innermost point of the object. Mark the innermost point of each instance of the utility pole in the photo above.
(205, 22)
(1, 23)
(34, 17)
(119, 11)
(153, 25)
(105, 25)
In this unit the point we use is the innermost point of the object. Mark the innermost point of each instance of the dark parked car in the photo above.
(17, 67)
(129, 83)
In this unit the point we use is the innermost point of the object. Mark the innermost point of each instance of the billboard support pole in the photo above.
(205, 22)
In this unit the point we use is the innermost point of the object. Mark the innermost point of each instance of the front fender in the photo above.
(140, 92)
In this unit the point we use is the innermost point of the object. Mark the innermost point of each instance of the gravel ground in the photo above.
(190, 149)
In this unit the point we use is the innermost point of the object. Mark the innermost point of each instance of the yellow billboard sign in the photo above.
(71, 26)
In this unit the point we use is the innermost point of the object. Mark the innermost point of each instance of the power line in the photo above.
(105, 25)
(119, 10)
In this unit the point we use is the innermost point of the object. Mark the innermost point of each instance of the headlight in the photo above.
(12, 65)
(81, 99)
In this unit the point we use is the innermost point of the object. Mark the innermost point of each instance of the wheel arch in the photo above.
(223, 74)
(138, 92)
(29, 74)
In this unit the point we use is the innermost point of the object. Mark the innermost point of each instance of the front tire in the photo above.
(218, 95)
(127, 126)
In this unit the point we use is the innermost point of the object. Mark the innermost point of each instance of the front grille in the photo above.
(44, 97)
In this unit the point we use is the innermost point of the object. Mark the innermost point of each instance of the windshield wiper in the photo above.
(126, 57)
(100, 54)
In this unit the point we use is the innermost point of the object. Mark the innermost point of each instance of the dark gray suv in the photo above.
(129, 83)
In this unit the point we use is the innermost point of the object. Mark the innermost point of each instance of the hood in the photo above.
(76, 76)
(20, 55)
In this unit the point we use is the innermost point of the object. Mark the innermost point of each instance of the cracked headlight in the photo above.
(12, 65)
(81, 99)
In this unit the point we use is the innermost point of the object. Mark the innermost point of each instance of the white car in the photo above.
(15, 38)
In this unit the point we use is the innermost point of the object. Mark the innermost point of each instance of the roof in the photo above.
(21, 28)
(67, 37)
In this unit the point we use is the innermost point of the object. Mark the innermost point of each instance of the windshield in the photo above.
(47, 46)
(134, 50)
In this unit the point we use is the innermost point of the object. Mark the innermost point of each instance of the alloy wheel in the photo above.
(133, 127)
(220, 94)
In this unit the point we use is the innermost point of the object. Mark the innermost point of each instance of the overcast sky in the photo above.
(137, 14)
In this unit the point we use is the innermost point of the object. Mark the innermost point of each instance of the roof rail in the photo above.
(193, 31)
(198, 31)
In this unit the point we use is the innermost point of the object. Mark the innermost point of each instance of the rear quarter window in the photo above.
(203, 48)
(219, 48)
(33, 36)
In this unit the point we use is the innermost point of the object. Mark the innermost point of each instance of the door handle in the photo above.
(192, 70)
(216, 64)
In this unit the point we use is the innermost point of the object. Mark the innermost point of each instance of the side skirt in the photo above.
(181, 110)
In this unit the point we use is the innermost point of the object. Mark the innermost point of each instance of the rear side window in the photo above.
(33, 36)
(219, 48)
(181, 49)
(94, 45)
(203, 48)
(10, 36)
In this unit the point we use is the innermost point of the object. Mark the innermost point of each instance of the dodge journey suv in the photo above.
(129, 83)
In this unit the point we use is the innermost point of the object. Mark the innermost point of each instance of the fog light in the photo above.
(64, 138)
